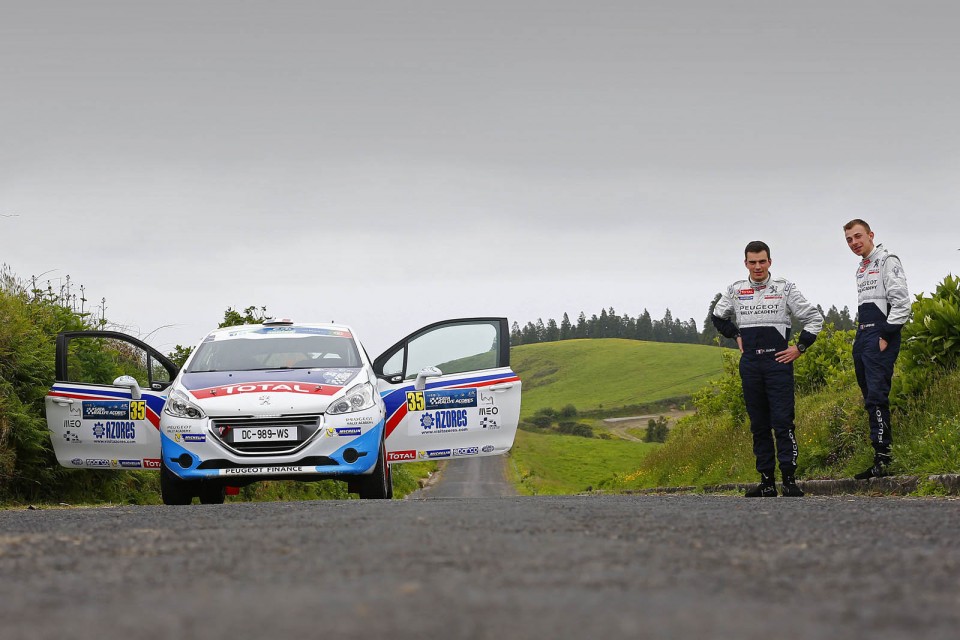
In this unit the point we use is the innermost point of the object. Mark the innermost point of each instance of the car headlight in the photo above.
(357, 398)
(179, 406)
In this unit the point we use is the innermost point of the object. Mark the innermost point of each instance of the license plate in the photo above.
(264, 434)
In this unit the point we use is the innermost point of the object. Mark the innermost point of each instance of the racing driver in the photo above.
(757, 312)
(883, 308)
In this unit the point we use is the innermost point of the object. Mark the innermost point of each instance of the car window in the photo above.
(290, 351)
(98, 360)
(453, 349)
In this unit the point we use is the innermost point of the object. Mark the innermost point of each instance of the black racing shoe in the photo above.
(762, 490)
(878, 470)
(789, 489)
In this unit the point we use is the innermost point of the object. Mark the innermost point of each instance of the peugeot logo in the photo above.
(264, 400)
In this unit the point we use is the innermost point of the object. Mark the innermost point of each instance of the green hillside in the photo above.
(610, 373)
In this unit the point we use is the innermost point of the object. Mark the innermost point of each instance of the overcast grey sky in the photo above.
(389, 164)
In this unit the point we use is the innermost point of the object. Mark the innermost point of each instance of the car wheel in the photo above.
(173, 490)
(379, 484)
(212, 493)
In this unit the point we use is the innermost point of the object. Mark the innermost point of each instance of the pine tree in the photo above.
(566, 329)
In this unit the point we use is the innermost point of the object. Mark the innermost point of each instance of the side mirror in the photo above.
(426, 372)
(131, 382)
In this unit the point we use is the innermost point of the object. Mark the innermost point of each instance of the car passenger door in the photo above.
(449, 391)
(103, 411)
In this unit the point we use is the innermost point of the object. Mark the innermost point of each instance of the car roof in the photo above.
(280, 329)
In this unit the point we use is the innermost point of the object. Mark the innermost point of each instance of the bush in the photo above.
(931, 341)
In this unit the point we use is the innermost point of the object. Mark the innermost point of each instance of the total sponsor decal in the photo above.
(446, 421)
(746, 292)
(249, 471)
(435, 453)
(265, 387)
(115, 431)
(95, 409)
(151, 463)
(396, 456)
(466, 451)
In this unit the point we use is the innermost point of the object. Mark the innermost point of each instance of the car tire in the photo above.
(379, 484)
(211, 493)
(173, 490)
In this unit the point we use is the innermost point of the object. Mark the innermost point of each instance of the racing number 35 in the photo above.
(415, 401)
(138, 410)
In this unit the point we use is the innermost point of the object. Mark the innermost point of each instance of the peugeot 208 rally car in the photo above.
(283, 400)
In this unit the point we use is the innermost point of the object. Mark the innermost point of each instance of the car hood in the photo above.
(267, 391)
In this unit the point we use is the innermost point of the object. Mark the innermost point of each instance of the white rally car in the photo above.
(283, 400)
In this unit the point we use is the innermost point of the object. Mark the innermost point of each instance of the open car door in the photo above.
(103, 411)
(449, 391)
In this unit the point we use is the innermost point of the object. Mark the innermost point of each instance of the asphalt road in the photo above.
(470, 478)
(513, 567)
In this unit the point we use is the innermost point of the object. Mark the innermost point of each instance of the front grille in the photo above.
(307, 427)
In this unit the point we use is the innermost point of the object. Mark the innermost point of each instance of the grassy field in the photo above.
(610, 373)
(555, 464)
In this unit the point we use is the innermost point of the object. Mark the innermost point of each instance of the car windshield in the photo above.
(290, 351)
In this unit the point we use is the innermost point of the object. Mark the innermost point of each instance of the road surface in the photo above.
(487, 568)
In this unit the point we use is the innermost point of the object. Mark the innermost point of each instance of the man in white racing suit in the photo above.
(757, 312)
(883, 307)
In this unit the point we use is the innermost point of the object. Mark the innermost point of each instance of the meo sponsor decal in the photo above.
(393, 456)
(93, 409)
(435, 453)
(466, 451)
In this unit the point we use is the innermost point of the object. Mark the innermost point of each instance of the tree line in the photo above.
(608, 324)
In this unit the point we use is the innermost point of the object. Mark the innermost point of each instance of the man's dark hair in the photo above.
(855, 222)
(756, 247)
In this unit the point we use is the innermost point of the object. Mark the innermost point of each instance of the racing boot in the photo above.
(880, 468)
(766, 489)
(789, 489)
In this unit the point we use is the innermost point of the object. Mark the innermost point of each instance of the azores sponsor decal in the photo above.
(446, 421)
(114, 431)
(441, 399)
(396, 456)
